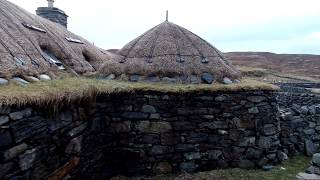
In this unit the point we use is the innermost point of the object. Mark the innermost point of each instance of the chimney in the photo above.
(53, 14)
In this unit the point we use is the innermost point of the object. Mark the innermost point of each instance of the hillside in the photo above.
(298, 64)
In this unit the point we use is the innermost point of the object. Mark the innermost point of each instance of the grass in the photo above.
(292, 168)
(70, 89)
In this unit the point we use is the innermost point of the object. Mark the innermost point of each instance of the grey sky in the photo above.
(282, 26)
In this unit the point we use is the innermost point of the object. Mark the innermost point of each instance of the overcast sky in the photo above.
(281, 26)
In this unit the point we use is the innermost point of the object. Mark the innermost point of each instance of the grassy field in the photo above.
(286, 171)
(69, 89)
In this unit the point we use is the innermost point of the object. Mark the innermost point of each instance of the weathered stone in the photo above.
(310, 147)
(282, 156)
(205, 98)
(214, 154)
(15, 151)
(269, 129)
(110, 77)
(246, 164)
(253, 153)
(135, 78)
(20, 81)
(184, 147)
(148, 109)
(4, 110)
(313, 170)
(226, 80)
(306, 176)
(135, 115)
(32, 79)
(153, 79)
(253, 110)
(120, 127)
(194, 79)
(28, 127)
(74, 147)
(316, 159)
(5, 168)
(192, 156)
(264, 142)
(153, 127)
(169, 80)
(196, 137)
(3, 82)
(256, 99)
(189, 166)
(214, 125)
(150, 139)
(160, 150)
(3, 120)
(21, 114)
(304, 110)
(262, 162)
(220, 98)
(155, 116)
(77, 130)
(44, 77)
(267, 167)
(169, 139)
(163, 168)
(207, 78)
(247, 141)
(27, 159)
(5, 138)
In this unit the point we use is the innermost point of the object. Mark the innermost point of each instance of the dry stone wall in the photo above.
(142, 133)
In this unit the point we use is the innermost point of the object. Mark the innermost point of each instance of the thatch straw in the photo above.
(158, 51)
(27, 44)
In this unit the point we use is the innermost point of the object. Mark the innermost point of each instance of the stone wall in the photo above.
(141, 133)
(300, 122)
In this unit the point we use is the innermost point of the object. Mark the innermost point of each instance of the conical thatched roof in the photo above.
(171, 50)
(26, 39)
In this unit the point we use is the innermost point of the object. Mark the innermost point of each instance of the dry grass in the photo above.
(71, 89)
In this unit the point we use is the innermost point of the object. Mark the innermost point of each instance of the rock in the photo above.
(310, 147)
(316, 159)
(304, 110)
(148, 109)
(264, 142)
(237, 81)
(150, 139)
(21, 114)
(74, 147)
(192, 156)
(256, 99)
(195, 137)
(269, 130)
(169, 80)
(207, 78)
(20, 81)
(135, 78)
(3, 82)
(120, 127)
(214, 125)
(15, 151)
(282, 156)
(313, 170)
(267, 167)
(153, 127)
(247, 141)
(160, 150)
(169, 139)
(135, 115)
(194, 79)
(5, 168)
(214, 154)
(253, 153)
(27, 159)
(155, 116)
(77, 130)
(110, 77)
(220, 98)
(226, 80)
(5, 138)
(32, 79)
(44, 77)
(163, 168)
(153, 79)
(246, 164)
(4, 110)
(188, 167)
(3, 120)
(253, 110)
(306, 176)
(184, 147)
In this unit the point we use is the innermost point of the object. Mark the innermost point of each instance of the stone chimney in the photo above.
(53, 14)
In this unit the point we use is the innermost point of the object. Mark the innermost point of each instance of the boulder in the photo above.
(316, 159)
(306, 176)
(20, 81)
(310, 147)
(32, 79)
(227, 80)
(3, 82)
(44, 77)
(207, 78)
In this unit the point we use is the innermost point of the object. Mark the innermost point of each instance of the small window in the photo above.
(29, 26)
(70, 39)
(52, 59)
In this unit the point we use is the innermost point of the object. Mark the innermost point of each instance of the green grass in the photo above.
(70, 89)
(292, 168)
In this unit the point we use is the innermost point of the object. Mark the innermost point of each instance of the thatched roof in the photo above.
(26, 37)
(170, 50)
